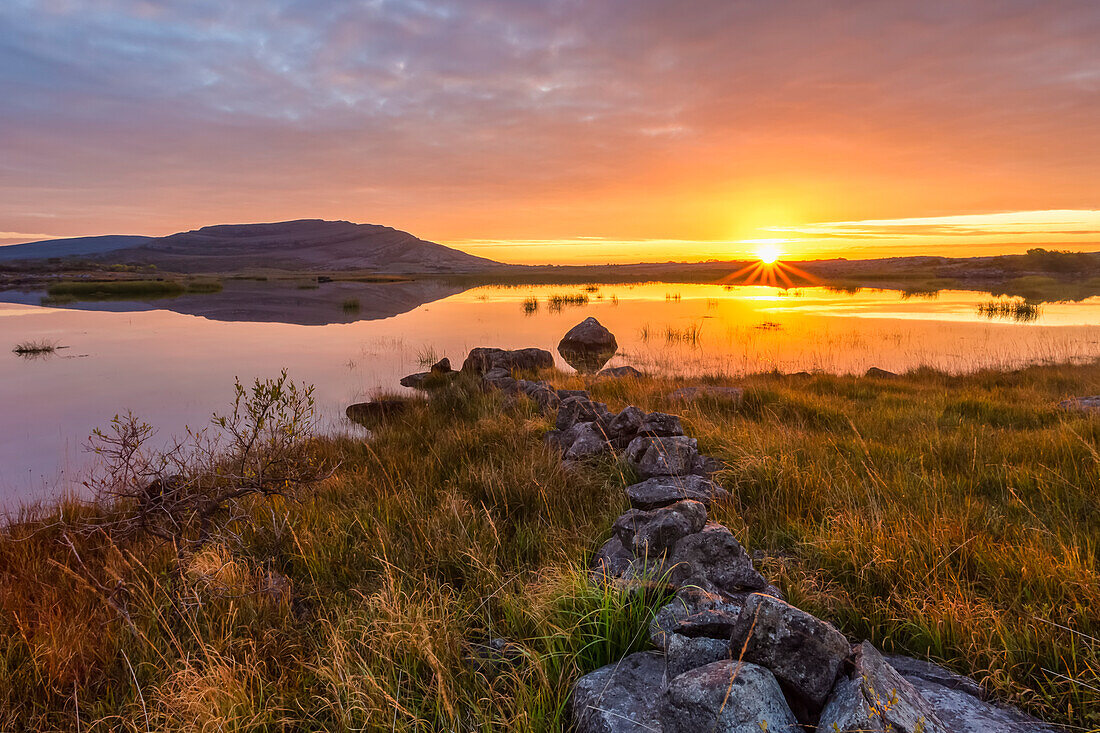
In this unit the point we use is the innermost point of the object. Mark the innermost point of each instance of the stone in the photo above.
(715, 561)
(587, 346)
(545, 396)
(565, 394)
(688, 602)
(612, 561)
(1081, 404)
(585, 441)
(683, 653)
(879, 373)
(661, 491)
(960, 701)
(443, 366)
(705, 466)
(669, 456)
(619, 698)
(427, 380)
(499, 378)
(652, 533)
(802, 651)
(626, 423)
(713, 624)
(725, 697)
(374, 412)
(706, 391)
(661, 424)
(573, 410)
(482, 359)
(875, 697)
(620, 372)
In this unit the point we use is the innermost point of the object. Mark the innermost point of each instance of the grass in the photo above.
(530, 306)
(71, 290)
(686, 335)
(351, 305)
(35, 346)
(556, 303)
(114, 289)
(943, 516)
(1020, 311)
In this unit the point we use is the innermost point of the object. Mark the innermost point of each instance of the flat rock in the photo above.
(683, 653)
(661, 491)
(688, 602)
(708, 392)
(874, 697)
(1081, 404)
(620, 372)
(959, 701)
(621, 697)
(801, 650)
(668, 456)
(587, 346)
(482, 359)
(715, 561)
(427, 380)
(374, 412)
(661, 424)
(879, 373)
(725, 697)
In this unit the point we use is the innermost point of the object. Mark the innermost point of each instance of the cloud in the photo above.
(542, 118)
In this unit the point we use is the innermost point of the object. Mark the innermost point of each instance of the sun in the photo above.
(768, 253)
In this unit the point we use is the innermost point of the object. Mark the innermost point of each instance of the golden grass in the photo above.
(952, 517)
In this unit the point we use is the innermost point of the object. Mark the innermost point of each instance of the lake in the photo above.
(173, 362)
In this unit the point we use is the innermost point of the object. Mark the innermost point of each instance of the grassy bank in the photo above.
(952, 517)
(130, 289)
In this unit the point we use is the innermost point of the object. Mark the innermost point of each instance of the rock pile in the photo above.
(730, 654)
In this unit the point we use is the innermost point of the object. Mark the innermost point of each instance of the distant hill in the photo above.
(72, 247)
(305, 244)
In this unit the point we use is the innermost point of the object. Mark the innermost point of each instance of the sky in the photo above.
(562, 130)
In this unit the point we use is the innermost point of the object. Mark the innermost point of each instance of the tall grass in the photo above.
(1020, 311)
(556, 303)
(950, 517)
(35, 347)
(941, 516)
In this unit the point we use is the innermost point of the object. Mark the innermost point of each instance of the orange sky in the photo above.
(560, 130)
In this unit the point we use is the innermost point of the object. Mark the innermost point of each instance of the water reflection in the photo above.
(173, 362)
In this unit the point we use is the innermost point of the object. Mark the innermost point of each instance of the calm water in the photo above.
(173, 362)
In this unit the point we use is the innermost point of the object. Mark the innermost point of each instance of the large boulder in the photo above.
(874, 697)
(667, 456)
(801, 650)
(650, 534)
(626, 424)
(621, 697)
(482, 359)
(661, 491)
(960, 701)
(715, 561)
(587, 346)
(725, 697)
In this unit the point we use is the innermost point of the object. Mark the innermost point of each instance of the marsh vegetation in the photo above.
(942, 516)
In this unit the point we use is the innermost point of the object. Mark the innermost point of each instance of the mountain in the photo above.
(72, 247)
(304, 244)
